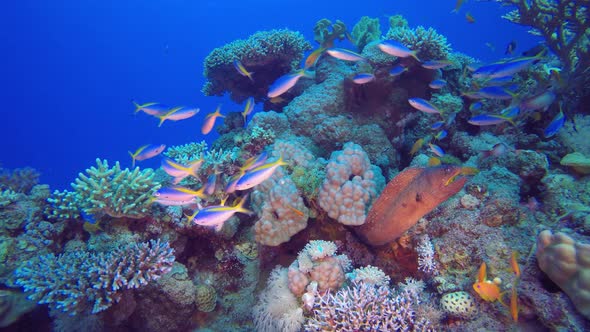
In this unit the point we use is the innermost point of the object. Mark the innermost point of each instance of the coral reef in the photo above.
(351, 185)
(429, 44)
(565, 262)
(112, 191)
(564, 26)
(365, 31)
(84, 282)
(325, 33)
(268, 54)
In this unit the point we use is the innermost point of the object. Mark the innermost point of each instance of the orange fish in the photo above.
(486, 289)
(313, 57)
(514, 264)
(514, 302)
(469, 18)
(417, 146)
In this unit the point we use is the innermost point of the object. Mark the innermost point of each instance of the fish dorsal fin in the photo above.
(399, 183)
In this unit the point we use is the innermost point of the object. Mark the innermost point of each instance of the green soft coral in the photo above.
(325, 33)
(365, 31)
(116, 192)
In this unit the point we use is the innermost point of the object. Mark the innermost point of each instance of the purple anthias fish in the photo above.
(146, 152)
(424, 106)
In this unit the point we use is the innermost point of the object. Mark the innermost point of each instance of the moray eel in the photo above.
(407, 198)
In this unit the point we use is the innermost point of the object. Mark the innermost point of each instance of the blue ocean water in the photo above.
(71, 68)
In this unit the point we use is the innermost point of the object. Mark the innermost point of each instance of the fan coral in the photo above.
(429, 44)
(116, 192)
(351, 185)
(84, 282)
(268, 54)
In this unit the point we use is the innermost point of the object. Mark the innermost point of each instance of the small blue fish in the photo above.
(216, 215)
(555, 124)
(258, 175)
(346, 55)
(440, 135)
(146, 152)
(254, 162)
(475, 106)
(242, 70)
(437, 150)
(210, 185)
(490, 92)
(506, 68)
(498, 81)
(284, 83)
(436, 64)
(248, 108)
(541, 101)
(177, 113)
(437, 125)
(363, 78)
(398, 70)
(437, 84)
(179, 171)
(424, 106)
(489, 120)
(178, 195)
(397, 49)
(154, 109)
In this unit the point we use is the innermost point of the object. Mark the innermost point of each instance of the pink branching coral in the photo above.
(366, 307)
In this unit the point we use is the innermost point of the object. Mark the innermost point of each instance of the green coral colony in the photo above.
(358, 144)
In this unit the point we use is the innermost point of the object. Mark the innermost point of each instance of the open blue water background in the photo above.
(69, 69)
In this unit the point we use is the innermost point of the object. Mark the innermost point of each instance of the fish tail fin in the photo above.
(239, 207)
(132, 159)
(250, 76)
(162, 119)
(190, 218)
(137, 106)
(415, 56)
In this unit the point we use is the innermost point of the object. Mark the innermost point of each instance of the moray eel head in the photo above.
(408, 197)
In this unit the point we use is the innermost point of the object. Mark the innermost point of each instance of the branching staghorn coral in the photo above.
(116, 192)
(79, 282)
(565, 27)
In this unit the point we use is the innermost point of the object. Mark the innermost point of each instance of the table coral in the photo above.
(268, 54)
